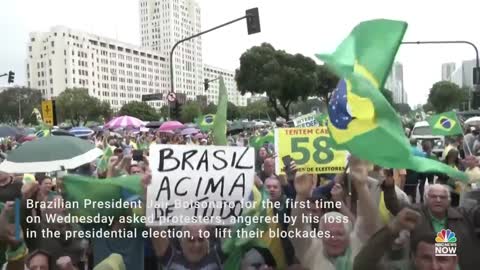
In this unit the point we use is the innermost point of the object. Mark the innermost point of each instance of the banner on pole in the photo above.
(307, 120)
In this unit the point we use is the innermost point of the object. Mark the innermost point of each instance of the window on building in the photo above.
(51, 91)
(51, 80)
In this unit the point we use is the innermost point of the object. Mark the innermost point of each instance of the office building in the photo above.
(447, 71)
(463, 75)
(234, 95)
(111, 70)
(394, 83)
(119, 72)
(162, 24)
(257, 98)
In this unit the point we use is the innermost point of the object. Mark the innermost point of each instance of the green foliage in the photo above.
(210, 109)
(233, 112)
(403, 108)
(190, 111)
(427, 107)
(140, 110)
(27, 98)
(257, 110)
(164, 112)
(308, 106)
(445, 96)
(326, 82)
(77, 106)
(284, 77)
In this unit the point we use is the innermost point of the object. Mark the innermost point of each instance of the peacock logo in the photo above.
(446, 243)
(446, 236)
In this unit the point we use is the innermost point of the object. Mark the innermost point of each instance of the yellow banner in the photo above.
(47, 112)
(310, 149)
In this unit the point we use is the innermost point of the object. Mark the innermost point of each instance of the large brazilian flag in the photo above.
(220, 122)
(360, 118)
(205, 122)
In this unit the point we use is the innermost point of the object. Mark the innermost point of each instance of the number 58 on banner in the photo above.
(310, 148)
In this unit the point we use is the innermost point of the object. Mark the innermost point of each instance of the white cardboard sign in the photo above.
(307, 120)
(198, 184)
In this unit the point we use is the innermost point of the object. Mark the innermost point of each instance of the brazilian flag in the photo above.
(205, 122)
(360, 118)
(80, 188)
(259, 141)
(322, 119)
(446, 124)
(220, 122)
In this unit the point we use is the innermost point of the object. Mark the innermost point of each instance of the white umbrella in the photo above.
(473, 120)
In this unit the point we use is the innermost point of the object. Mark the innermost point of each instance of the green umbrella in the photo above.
(49, 154)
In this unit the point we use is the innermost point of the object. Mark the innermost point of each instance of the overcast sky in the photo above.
(297, 26)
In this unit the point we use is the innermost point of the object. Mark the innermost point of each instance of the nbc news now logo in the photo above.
(446, 243)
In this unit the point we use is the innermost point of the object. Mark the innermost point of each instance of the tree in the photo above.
(190, 111)
(403, 108)
(308, 106)
(140, 110)
(164, 111)
(19, 99)
(427, 107)
(101, 111)
(285, 78)
(77, 106)
(445, 96)
(233, 112)
(388, 95)
(326, 82)
(210, 109)
(257, 110)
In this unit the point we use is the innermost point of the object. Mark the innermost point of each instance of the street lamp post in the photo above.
(476, 70)
(253, 24)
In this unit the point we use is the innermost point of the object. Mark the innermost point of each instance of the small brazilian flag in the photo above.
(360, 118)
(322, 119)
(205, 122)
(445, 124)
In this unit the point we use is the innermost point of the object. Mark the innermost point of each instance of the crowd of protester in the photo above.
(386, 219)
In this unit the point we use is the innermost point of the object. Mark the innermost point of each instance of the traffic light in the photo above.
(253, 21)
(11, 76)
(206, 84)
(476, 100)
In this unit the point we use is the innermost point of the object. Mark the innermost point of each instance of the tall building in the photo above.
(394, 83)
(234, 95)
(111, 70)
(119, 72)
(447, 71)
(162, 24)
(463, 75)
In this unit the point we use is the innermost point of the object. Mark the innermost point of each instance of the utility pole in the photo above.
(476, 69)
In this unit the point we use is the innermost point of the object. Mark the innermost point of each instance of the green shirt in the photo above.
(438, 224)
